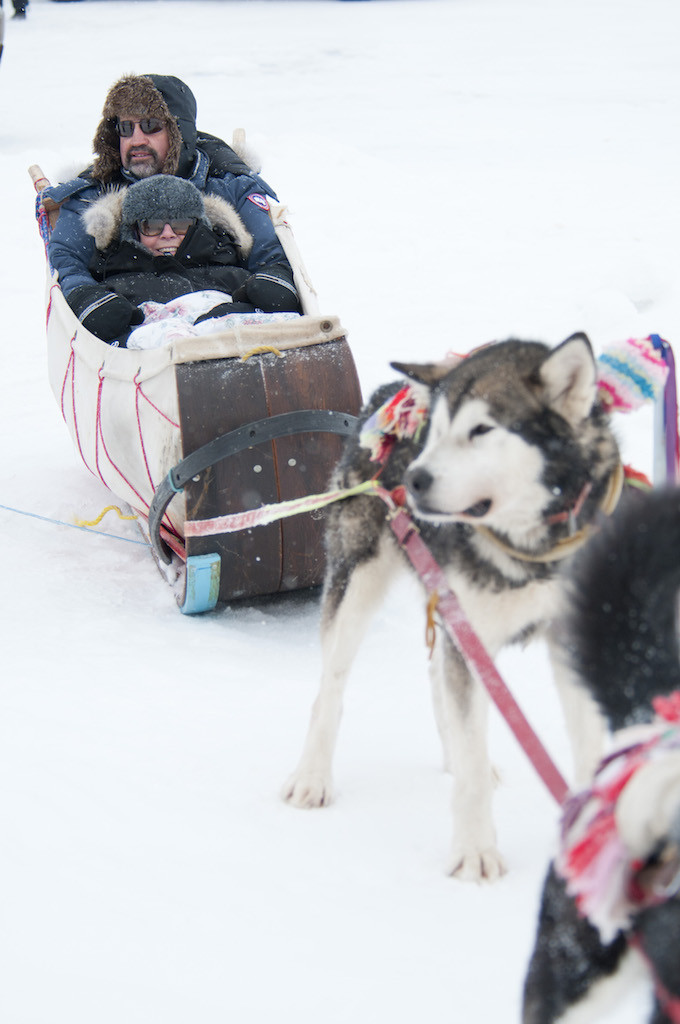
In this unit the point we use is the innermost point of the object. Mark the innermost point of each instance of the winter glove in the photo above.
(270, 290)
(102, 312)
(223, 309)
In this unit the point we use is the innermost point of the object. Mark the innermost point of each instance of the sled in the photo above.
(207, 426)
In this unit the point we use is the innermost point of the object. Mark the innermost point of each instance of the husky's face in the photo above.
(494, 440)
(473, 468)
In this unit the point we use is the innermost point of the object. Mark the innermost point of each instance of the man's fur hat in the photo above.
(137, 96)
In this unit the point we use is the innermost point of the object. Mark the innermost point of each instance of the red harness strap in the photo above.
(468, 643)
(478, 660)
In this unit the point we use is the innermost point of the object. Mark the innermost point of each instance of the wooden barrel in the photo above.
(224, 394)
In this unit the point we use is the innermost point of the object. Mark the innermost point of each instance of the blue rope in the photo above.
(73, 526)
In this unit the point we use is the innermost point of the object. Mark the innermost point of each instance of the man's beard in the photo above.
(149, 167)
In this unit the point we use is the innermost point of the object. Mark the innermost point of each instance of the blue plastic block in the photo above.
(202, 584)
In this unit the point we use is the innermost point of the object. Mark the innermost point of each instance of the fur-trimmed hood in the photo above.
(104, 218)
(161, 96)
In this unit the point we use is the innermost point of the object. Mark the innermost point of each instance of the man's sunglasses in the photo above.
(151, 228)
(149, 126)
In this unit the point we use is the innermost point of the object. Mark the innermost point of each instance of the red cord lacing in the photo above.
(101, 447)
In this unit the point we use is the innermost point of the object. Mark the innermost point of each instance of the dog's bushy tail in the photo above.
(622, 627)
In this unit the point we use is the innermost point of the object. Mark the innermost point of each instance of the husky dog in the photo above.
(514, 461)
(611, 901)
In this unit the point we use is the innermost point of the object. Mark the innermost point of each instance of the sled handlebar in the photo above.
(39, 180)
(40, 183)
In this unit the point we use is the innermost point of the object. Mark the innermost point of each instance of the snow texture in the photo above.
(456, 171)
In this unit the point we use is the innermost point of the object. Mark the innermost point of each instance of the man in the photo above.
(148, 127)
(143, 152)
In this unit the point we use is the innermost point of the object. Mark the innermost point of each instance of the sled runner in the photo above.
(205, 426)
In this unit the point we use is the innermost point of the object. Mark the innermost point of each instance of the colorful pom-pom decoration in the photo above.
(630, 373)
(599, 870)
(402, 416)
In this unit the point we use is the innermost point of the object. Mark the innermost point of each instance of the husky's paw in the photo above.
(474, 865)
(307, 791)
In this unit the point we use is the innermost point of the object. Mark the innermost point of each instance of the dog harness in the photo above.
(611, 885)
(568, 545)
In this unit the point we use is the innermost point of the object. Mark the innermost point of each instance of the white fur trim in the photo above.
(103, 218)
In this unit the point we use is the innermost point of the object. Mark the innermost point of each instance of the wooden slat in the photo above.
(321, 377)
(214, 398)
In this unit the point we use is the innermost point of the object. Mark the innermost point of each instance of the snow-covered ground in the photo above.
(456, 171)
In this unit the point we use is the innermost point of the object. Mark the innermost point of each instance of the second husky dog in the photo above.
(610, 909)
(514, 462)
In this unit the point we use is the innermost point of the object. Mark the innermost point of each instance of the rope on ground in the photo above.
(73, 526)
(109, 508)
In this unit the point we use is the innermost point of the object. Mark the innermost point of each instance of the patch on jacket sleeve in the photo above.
(259, 200)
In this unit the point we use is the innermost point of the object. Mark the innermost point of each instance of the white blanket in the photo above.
(169, 321)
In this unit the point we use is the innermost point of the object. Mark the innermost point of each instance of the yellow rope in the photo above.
(260, 350)
(95, 522)
(431, 624)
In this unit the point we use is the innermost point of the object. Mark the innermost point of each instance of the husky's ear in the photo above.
(569, 378)
(428, 373)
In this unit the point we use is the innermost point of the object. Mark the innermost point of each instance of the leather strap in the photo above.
(473, 651)
(247, 436)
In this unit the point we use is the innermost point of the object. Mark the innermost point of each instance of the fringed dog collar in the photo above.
(609, 882)
(402, 416)
(567, 545)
